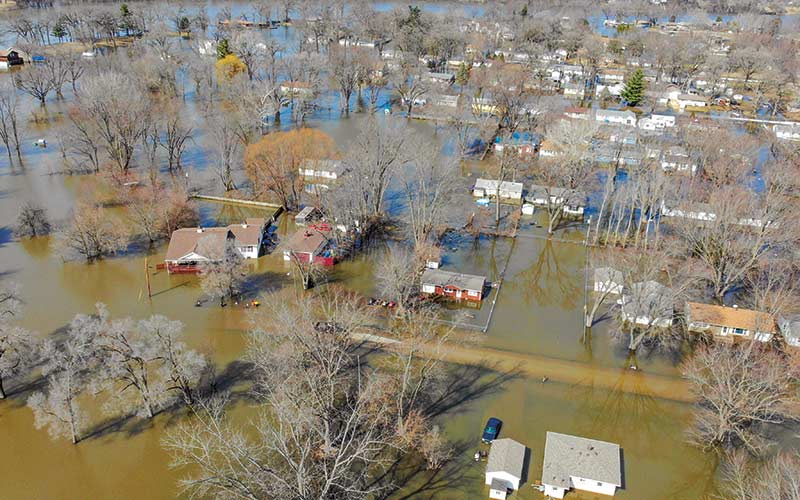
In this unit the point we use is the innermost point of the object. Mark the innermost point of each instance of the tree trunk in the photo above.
(2, 389)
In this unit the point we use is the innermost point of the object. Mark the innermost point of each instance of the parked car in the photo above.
(491, 430)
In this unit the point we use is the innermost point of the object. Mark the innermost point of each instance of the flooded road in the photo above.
(535, 332)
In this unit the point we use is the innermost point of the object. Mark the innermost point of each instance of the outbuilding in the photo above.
(485, 188)
(504, 469)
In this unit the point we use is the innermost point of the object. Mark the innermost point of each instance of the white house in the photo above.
(790, 329)
(678, 100)
(663, 119)
(446, 78)
(580, 463)
(573, 201)
(326, 169)
(696, 211)
(789, 131)
(614, 89)
(648, 303)
(608, 280)
(488, 187)
(504, 468)
(615, 116)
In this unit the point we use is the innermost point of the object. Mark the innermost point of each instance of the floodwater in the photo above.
(535, 332)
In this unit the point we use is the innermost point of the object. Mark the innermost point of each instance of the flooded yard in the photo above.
(538, 374)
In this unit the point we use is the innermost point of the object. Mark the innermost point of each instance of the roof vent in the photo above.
(244, 226)
(735, 306)
(199, 229)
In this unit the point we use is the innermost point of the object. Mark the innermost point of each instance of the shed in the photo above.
(580, 463)
(307, 215)
(504, 469)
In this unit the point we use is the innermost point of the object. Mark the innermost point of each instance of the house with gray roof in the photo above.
(454, 285)
(580, 463)
(504, 469)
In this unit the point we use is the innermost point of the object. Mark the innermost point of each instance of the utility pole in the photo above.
(586, 279)
(147, 278)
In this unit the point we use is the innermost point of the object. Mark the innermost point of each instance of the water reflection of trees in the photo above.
(550, 279)
(626, 405)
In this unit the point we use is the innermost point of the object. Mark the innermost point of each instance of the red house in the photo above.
(310, 244)
(454, 285)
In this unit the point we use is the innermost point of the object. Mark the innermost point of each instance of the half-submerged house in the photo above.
(310, 245)
(492, 188)
(454, 285)
(504, 468)
(190, 248)
(648, 303)
(580, 463)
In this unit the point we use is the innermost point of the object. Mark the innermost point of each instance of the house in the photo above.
(790, 329)
(326, 169)
(574, 202)
(307, 215)
(663, 119)
(615, 116)
(576, 90)
(504, 468)
(523, 143)
(549, 149)
(677, 159)
(488, 187)
(444, 100)
(580, 463)
(608, 280)
(456, 285)
(207, 47)
(9, 57)
(789, 131)
(249, 236)
(614, 89)
(730, 323)
(578, 113)
(612, 75)
(297, 89)
(648, 303)
(445, 78)
(696, 211)
(681, 101)
(310, 244)
(190, 248)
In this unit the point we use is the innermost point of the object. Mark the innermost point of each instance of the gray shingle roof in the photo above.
(506, 455)
(566, 456)
(462, 281)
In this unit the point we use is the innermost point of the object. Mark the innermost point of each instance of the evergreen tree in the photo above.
(462, 77)
(633, 93)
(524, 11)
(223, 49)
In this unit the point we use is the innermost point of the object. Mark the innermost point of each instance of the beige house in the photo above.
(730, 323)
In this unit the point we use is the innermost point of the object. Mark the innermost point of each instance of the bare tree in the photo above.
(743, 478)
(428, 187)
(119, 112)
(397, 277)
(67, 366)
(9, 124)
(92, 233)
(346, 70)
(176, 137)
(227, 146)
(18, 348)
(35, 81)
(323, 413)
(740, 389)
(409, 85)
(223, 275)
(32, 221)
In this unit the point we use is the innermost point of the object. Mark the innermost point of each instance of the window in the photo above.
(599, 483)
(739, 331)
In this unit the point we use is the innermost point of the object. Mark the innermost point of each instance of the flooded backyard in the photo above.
(533, 325)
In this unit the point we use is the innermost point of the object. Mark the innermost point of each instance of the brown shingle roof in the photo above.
(733, 317)
(247, 234)
(307, 241)
(207, 242)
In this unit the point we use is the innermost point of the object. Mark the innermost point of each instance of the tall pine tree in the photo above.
(633, 93)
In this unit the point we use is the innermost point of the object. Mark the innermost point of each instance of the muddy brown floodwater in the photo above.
(535, 330)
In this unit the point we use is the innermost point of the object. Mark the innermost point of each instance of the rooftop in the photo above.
(506, 455)
(307, 240)
(566, 456)
(445, 278)
(733, 317)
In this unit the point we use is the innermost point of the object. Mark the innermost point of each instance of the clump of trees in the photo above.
(362, 415)
(138, 367)
(19, 348)
(273, 163)
(92, 233)
(224, 274)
